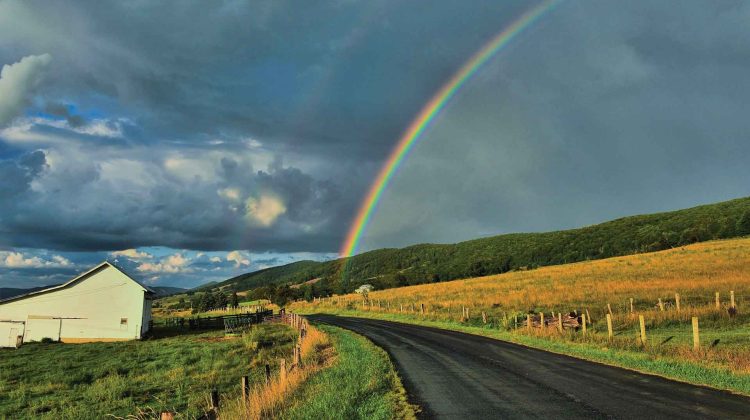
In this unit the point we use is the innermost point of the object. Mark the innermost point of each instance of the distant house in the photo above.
(102, 304)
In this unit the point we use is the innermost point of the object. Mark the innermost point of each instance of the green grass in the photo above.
(653, 360)
(76, 381)
(361, 384)
(254, 302)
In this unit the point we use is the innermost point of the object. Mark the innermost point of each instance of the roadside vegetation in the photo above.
(343, 375)
(497, 307)
(361, 384)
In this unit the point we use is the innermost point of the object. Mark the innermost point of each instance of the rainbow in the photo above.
(428, 114)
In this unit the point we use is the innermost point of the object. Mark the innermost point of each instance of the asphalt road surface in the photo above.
(456, 375)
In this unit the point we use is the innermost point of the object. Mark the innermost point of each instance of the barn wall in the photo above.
(109, 303)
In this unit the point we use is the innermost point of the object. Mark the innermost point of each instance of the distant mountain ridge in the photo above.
(167, 290)
(425, 263)
(9, 292)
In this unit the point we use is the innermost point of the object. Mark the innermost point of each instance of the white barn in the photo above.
(102, 304)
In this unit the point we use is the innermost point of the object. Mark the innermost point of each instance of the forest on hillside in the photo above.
(386, 268)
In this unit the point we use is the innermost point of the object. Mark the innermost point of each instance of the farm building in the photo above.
(102, 304)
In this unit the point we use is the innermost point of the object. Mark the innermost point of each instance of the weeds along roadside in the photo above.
(338, 374)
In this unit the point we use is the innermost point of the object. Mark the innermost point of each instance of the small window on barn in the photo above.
(123, 321)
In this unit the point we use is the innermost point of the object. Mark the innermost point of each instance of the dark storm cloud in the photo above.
(602, 112)
(135, 88)
(16, 175)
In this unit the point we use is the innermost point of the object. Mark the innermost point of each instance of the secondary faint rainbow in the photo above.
(428, 113)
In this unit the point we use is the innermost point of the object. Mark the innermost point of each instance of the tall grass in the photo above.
(360, 384)
(266, 399)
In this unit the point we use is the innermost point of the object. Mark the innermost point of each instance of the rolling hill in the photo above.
(425, 263)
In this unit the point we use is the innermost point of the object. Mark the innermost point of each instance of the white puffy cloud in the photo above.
(132, 254)
(215, 260)
(11, 259)
(265, 210)
(17, 82)
(229, 194)
(172, 264)
(238, 257)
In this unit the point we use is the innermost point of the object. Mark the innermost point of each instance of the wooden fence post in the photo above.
(718, 301)
(214, 399)
(402, 308)
(588, 317)
(282, 370)
(528, 322)
(677, 301)
(631, 306)
(642, 321)
(609, 309)
(515, 321)
(559, 321)
(609, 326)
(484, 317)
(583, 319)
(245, 388)
(731, 299)
(696, 335)
(421, 308)
(541, 319)
(661, 305)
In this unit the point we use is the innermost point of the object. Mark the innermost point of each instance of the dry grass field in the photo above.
(696, 272)
(498, 304)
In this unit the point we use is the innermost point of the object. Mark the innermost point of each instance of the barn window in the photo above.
(123, 321)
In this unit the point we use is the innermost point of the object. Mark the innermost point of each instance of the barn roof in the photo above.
(78, 279)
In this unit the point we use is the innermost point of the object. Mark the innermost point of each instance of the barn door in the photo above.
(13, 337)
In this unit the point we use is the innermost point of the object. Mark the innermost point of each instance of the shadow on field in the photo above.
(161, 333)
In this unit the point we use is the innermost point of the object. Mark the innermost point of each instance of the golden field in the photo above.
(696, 272)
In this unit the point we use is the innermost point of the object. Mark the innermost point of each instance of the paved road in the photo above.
(455, 375)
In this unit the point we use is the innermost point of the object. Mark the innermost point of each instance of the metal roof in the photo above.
(77, 279)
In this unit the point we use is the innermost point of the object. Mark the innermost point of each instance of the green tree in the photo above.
(221, 300)
(743, 224)
(235, 300)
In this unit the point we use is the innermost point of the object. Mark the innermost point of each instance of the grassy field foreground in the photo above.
(80, 381)
(694, 272)
(344, 376)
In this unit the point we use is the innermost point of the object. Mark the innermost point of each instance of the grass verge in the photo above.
(361, 384)
(647, 361)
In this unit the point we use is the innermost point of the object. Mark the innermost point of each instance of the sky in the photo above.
(193, 141)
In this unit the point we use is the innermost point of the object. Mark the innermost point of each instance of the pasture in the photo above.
(175, 373)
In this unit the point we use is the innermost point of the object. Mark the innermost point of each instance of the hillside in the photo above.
(386, 268)
(9, 292)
